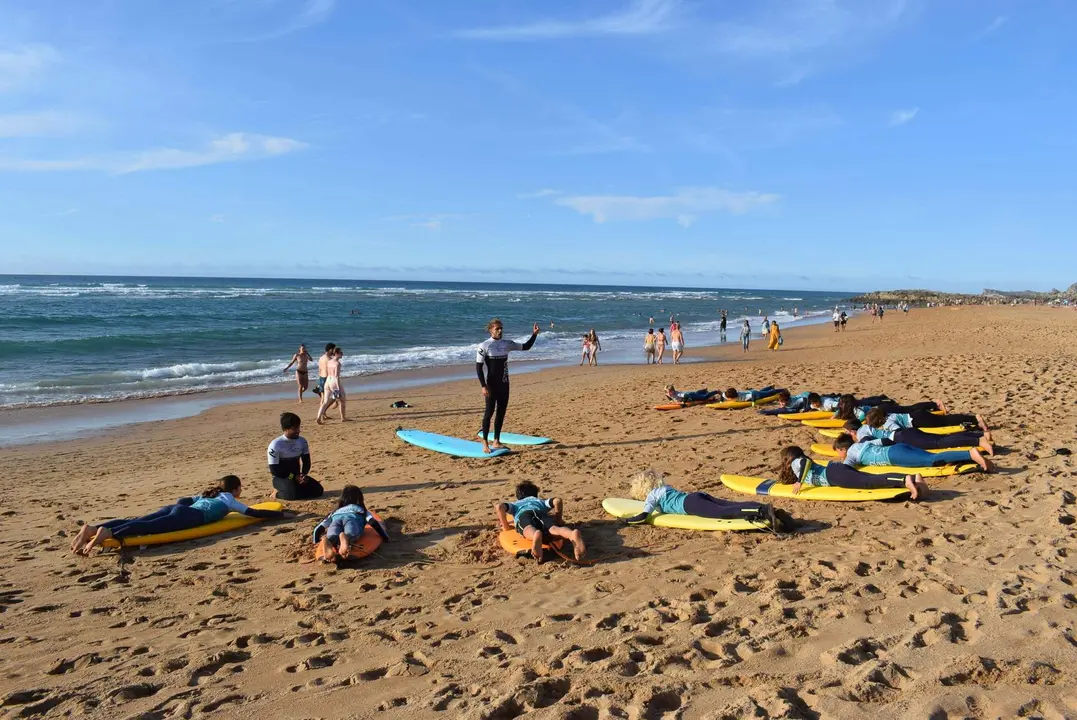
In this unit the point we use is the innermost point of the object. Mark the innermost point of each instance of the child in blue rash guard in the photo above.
(876, 427)
(190, 512)
(345, 525)
(537, 519)
(798, 469)
(750, 395)
(690, 395)
(849, 407)
(650, 487)
(789, 403)
(885, 452)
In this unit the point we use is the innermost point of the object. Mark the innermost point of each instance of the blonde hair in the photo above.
(670, 387)
(493, 323)
(642, 483)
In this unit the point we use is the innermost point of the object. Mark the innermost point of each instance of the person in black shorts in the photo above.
(493, 357)
(289, 463)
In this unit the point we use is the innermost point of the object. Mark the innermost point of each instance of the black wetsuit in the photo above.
(288, 458)
(493, 355)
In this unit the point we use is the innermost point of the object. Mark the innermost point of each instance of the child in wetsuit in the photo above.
(345, 525)
(689, 396)
(537, 519)
(750, 395)
(650, 487)
(798, 469)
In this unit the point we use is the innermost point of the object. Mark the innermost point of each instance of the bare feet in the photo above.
(979, 460)
(986, 446)
(942, 407)
(82, 537)
(536, 546)
(99, 538)
(345, 546)
(486, 447)
(982, 423)
(496, 445)
(920, 484)
(913, 488)
(578, 545)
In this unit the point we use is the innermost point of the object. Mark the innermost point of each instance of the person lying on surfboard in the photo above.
(536, 519)
(850, 407)
(345, 525)
(875, 427)
(887, 452)
(689, 396)
(190, 512)
(749, 395)
(797, 469)
(789, 403)
(650, 487)
(918, 416)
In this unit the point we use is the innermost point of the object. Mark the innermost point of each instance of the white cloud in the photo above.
(216, 218)
(901, 117)
(20, 64)
(994, 27)
(544, 192)
(641, 17)
(313, 12)
(684, 206)
(233, 147)
(433, 225)
(38, 124)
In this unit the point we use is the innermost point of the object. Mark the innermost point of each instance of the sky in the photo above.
(800, 144)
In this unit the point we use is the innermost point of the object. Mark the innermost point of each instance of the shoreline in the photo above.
(73, 421)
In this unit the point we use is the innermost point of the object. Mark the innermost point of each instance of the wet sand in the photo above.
(958, 606)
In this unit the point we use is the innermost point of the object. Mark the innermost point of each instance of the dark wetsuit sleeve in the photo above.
(530, 341)
(305, 458)
(482, 377)
(637, 519)
(378, 527)
(265, 514)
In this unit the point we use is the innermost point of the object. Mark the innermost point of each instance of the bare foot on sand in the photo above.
(83, 537)
(536, 546)
(578, 545)
(912, 487)
(986, 446)
(982, 423)
(99, 538)
(980, 460)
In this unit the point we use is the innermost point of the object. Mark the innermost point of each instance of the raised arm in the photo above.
(531, 340)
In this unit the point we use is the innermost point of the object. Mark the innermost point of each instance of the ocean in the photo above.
(72, 339)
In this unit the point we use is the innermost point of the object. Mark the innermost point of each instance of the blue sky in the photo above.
(850, 144)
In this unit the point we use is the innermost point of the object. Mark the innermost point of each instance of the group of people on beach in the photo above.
(654, 344)
(330, 387)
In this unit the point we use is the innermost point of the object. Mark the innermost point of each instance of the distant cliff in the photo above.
(987, 297)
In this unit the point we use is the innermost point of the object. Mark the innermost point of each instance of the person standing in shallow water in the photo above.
(491, 364)
(660, 345)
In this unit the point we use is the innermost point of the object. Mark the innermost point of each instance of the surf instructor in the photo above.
(493, 358)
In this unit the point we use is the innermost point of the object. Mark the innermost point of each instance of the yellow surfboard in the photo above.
(809, 415)
(625, 508)
(761, 486)
(231, 521)
(933, 471)
(828, 422)
(830, 452)
(945, 430)
(741, 404)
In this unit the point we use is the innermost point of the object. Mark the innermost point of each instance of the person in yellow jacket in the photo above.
(775, 337)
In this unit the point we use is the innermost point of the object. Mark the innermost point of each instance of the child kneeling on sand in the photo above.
(345, 525)
(650, 487)
(536, 519)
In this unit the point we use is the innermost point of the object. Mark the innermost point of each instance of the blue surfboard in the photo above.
(514, 439)
(456, 447)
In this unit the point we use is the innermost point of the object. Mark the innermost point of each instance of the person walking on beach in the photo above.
(302, 377)
(660, 345)
(493, 358)
(595, 347)
(323, 364)
(765, 329)
(844, 319)
(836, 317)
(585, 350)
(721, 327)
(648, 346)
(334, 389)
(775, 337)
(676, 336)
(745, 335)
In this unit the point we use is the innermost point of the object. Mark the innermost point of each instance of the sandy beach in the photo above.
(959, 606)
